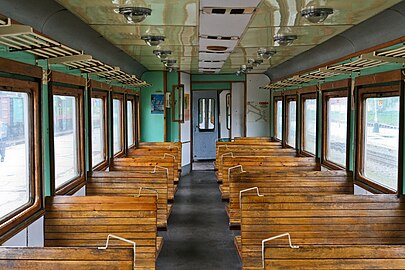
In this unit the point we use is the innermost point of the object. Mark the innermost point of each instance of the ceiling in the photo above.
(181, 22)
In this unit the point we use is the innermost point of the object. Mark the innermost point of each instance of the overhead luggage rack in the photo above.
(357, 65)
(22, 38)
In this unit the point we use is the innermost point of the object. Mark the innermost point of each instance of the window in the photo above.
(278, 121)
(98, 145)
(15, 151)
(336, 129)
(117, 126)
(206, 114)
(130, 122)
(378, 149)
(291, 122)
(309, 124)
(66, 139)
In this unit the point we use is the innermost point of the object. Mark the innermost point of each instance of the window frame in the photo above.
(325, 96)
(78, 182)
(15, 220)
(275, 111)
(207, 114)
(363, 94)
(305, 97)
(288, 99)
(132, 98)
(121, 97)
(104, 96)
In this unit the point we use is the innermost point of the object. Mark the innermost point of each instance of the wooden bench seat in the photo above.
(335, 257)
(57, 258)
(320, 220)
(124, 183)
(148, 164)
(86, 221)
(166, 145)
(265, 163)
(285, 183)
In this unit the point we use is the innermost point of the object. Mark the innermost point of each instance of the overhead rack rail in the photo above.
(365, 61)
(22, 38)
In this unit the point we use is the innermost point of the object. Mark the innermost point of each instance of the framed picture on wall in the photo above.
(157, 104)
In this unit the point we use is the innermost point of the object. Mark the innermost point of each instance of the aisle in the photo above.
(198, 236)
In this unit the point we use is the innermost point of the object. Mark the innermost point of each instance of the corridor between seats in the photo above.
(198, 236)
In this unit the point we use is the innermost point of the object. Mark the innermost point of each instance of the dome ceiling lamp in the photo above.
(162, 54)
(285, 40)
(316, 15)
(265, 54)
(169, 63)
(153, 40)
(134, 14)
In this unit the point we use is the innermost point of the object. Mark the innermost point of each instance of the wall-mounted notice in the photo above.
(260, 110)
(157, 104)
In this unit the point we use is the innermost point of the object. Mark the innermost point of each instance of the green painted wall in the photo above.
(152, 125)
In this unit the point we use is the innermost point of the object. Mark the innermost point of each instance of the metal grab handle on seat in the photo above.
(170, 155)
(150, 189)
(245, 190)
(234, 167)
(160, 167)
(122, 239)
(275, 237)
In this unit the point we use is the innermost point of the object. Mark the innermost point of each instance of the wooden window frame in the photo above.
(121, 97)
(305, 97)
(325, 96)
(18, 219)
(78, 182)
(103, 164)
(275, 111)
(132, 98)
(363, 94)
(288, 99)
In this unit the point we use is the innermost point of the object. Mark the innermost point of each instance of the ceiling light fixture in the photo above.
(171, 69)
(162, 54)
(134, 14)
(265, 54)
(169, 62)
(285, 40)
(153, 40)
(316, 15)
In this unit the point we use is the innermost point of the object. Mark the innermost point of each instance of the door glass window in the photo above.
(206, 114)
(130, 123)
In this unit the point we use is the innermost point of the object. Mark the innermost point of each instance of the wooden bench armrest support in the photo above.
(264, 241)
(122, 239)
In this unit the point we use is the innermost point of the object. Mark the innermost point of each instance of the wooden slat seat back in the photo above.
(123, 183)
(285, 183)
(226, 146)
(320, 220)
(265, 163)
(86, 221)
(335, 257)
(156, 152)
(147, 164)
(65, 258)
(251, 152)
(167, 145)
(258, 139)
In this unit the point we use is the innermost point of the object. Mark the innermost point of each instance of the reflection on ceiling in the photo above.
(243, 27)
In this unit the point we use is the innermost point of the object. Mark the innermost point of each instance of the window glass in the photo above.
(279, 119)
(206, 114)
(336, 130)
(117, 125)
(15, 149)
(97, 130)
(310, 125)
(130, 122)
(292, 115)
(66, 144)
(381, 140)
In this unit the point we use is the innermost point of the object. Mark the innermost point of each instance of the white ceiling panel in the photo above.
(230, 44)
(229, 3)
(213, 56)
(225, 25)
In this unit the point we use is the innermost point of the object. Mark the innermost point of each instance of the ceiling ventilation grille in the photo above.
(220, 37)
(231, 11)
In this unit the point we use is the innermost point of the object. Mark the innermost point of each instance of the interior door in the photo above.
(205, 124)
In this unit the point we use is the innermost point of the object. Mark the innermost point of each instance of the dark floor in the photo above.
(198, 236)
